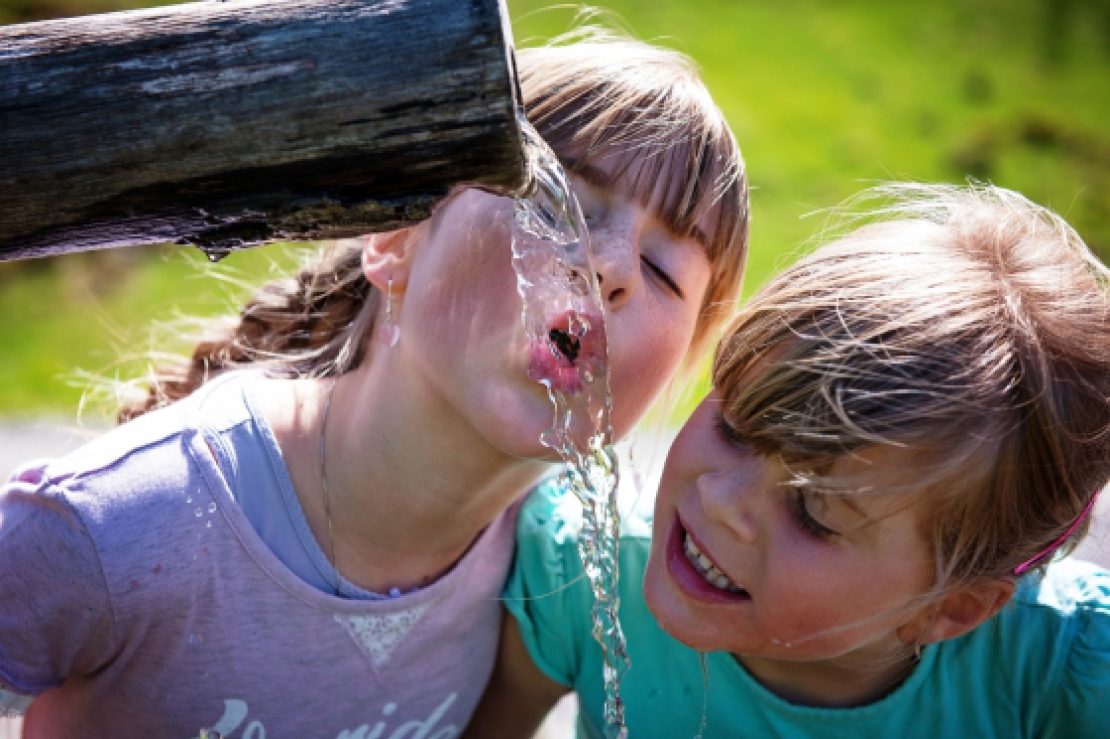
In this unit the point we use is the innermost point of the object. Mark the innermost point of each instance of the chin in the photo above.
(686, 630)
(513, 422)
(673, 613)
(524, 444)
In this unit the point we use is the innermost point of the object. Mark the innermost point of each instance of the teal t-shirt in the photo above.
(1040, 668)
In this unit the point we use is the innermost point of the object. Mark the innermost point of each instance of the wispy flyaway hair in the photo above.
(589, 94)
(967, 325)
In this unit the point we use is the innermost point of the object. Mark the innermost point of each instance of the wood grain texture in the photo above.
(229, 123)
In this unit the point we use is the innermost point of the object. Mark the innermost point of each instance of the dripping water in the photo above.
(562, 314)
(704, 659)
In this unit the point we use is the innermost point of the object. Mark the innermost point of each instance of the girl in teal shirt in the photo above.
(853, 532)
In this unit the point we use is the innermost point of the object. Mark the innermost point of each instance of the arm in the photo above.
(518, 696)
(55, 616)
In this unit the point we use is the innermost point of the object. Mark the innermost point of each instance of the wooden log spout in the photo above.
(224, 124)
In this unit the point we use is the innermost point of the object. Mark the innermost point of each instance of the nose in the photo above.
(731, 500)
(616, 254)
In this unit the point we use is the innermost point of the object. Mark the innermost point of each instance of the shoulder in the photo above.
(131, 491)
(1073, 597)
(1069, 602)
(1059, 626)
(1070, 588)
(547, 568)
(551, 519)
(550, 511)
(154, 451)
(56, 610)
(107, 475)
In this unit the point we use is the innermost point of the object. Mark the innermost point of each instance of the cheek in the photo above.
(646, 351)
(462, 285)
(814, 595)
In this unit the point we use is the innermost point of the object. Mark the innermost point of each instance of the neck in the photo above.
(409, 488)
(842, 682)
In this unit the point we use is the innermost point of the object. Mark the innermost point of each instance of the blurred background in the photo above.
(825, 98)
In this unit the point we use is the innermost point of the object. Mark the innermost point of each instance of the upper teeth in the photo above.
(707, 569)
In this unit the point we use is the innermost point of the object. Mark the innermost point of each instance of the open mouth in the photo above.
(571, 354)
(695, 572)
(567, 343)
(705, 567)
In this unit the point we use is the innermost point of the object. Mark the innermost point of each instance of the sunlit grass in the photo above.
(825, 98)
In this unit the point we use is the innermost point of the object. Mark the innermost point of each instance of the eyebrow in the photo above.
(597, 177)
(593, 175)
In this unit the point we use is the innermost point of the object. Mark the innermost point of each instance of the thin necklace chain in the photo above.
(393, 592)
(324, 484)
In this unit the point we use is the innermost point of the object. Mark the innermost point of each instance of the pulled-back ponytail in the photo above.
(312, 324)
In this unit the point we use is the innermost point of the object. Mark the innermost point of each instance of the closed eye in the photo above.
(799, 509)
(663, 277)
(728, 433)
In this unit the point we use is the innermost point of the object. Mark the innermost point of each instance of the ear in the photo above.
(960, 611)
(387, 257)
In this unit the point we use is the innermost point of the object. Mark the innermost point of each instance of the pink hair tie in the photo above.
(1024, 566)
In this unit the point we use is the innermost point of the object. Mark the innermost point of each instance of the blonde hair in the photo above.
(592, 94)
(966, 325)
(589, 93)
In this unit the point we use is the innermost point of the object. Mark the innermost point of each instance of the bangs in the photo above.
(684, 185)
(643, 111)
(661, 151)
(817, 382)
(810, 400)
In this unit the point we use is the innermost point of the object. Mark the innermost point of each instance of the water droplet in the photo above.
(188, 499)
(208, 524)
(211, 507)
(198, 512)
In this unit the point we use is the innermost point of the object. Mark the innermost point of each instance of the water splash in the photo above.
(563, 320)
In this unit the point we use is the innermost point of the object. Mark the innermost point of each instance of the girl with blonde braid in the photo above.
(304, 530)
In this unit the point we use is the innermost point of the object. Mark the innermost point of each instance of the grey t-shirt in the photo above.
(136, 599)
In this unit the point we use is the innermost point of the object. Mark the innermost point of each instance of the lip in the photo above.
(549, 365)
(688, 579)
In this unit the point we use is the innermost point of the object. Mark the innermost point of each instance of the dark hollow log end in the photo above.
(246, 122)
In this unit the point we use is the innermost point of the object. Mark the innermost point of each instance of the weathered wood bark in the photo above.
(229, 123)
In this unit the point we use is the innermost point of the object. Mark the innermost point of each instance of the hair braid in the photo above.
(312, 324)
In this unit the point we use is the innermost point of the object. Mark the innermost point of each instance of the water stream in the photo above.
(563, 320)
(703, 658)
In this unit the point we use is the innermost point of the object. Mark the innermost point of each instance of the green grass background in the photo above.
(825, 98)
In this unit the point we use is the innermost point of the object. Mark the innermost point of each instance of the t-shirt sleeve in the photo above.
(547, 591)
(1081, 705)
(55, 614)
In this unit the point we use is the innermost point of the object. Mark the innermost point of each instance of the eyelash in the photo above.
(728, 433)
(663, 276)
(802, 516)
(589, 214)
